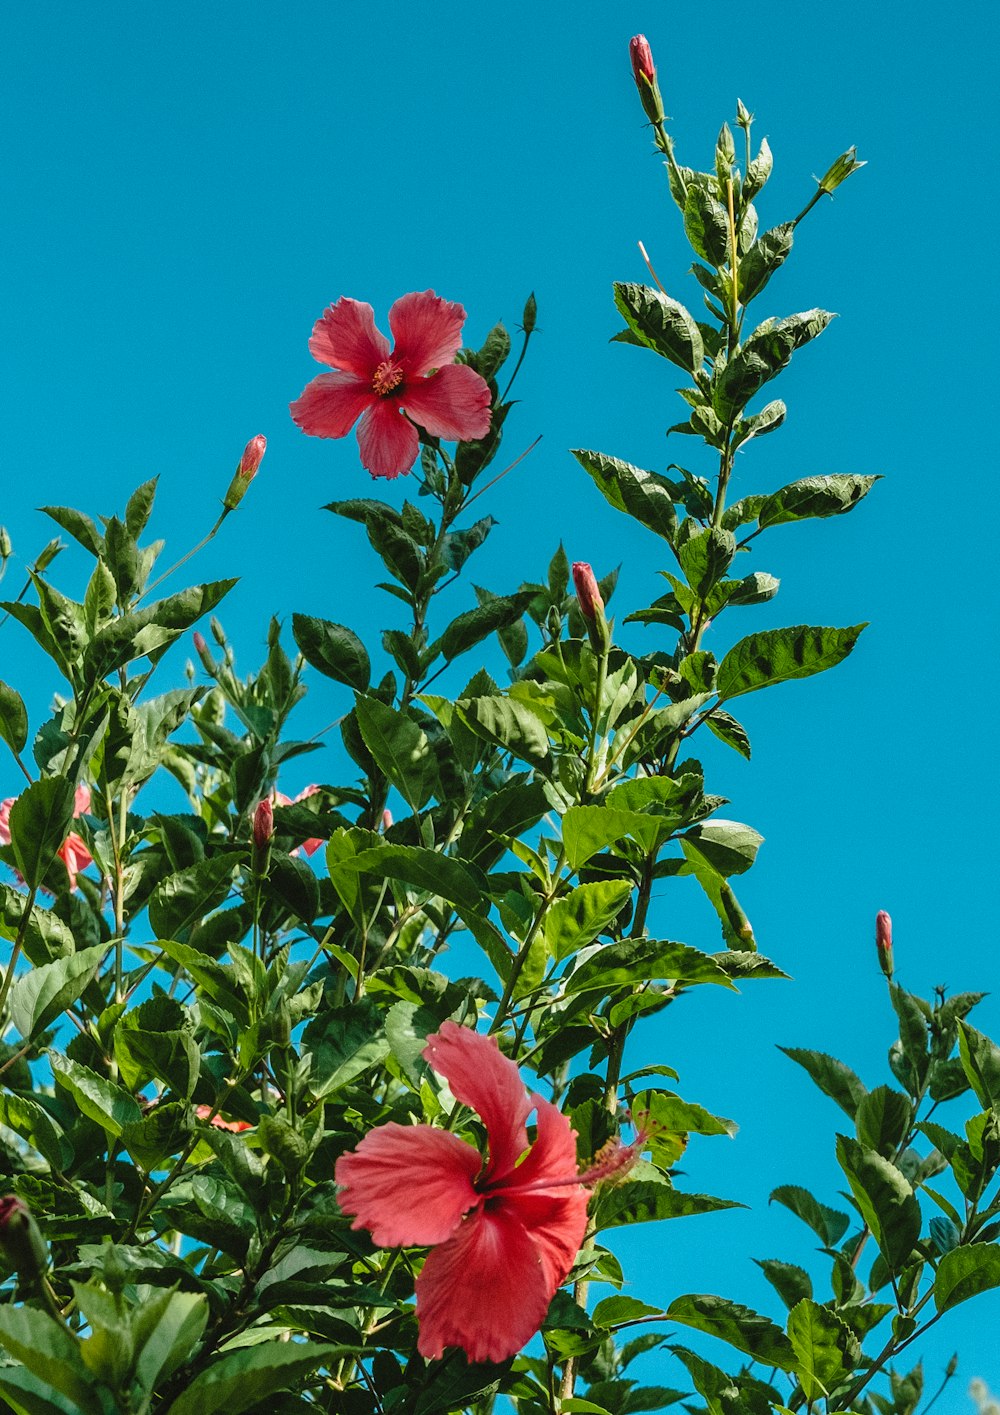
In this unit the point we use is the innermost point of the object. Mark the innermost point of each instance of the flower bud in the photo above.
(21, 1244)
(253, 455)
(6, 549)
(530, 313)
(263, 825)
(386, 819)
(743, 115)
(48, 555)
(203, 652)
(644, 73)
(591, 605)
(883, 941)
(845, 164)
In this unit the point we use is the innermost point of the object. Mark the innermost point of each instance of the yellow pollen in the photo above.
(386, 377)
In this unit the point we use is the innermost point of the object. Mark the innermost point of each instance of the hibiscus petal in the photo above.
(454, 403)
(427, 331)
(5, 819)
(346, 338)
(388, 441)
(331, 404)
(81, 800)
(484, 1290)
(408, 1184)
(480, 1076)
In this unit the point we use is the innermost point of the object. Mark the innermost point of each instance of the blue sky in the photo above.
(186, 187)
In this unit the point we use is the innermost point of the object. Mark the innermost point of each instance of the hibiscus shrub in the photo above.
(251, 1110)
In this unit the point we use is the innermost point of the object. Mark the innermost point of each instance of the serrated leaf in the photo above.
(740, 1326)
(662, 324)
(333, 649)
(44, 993)
(643, 960)
(13, 719)
(814, 497)
(834, 1078)
(643, 1201)
(791, 1283)
(981, 1063)
(102, 1101)
(645, 496)
(39, 822)
(250, 1374)
(400, 748)
(474, 625)
(829, 1225)
(779, 655)
(826, 1349)
(966, 1272)
(576, 919)
(885, 1198)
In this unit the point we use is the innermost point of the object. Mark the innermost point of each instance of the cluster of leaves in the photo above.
(205, 1027)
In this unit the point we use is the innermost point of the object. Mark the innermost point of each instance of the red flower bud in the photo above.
(263, 825)
(644, 73)
(386, 819)
(253, 455)
(21, 1244)
(587, 591)
(883, 941)
(642, 58)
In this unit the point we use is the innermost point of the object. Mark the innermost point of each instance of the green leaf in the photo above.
(34, 1124)
(643, 1201)
(470, 628)
(586, 830)
(182, 899)
(506, 724)
(706, 557)
(645, 496)
(334, 650)
(885, 1198)
(764, 354)
(724, 726)
(826, 1349)
(829, 1225)
(883, 1119)
(661, 324)
(763, 258)
(140, 506)
(791, 1283)
(344, 1043)
(102, 1101)
(728, 846)
(706, 224)
(79, 526)
(165, 1330)
(814, 496)
(40, 821)
(49, 1352)
(13, 719)
(833, 1077)
(740, 1326)
(981, 1063)
(779, 655)
(643, 960)
(400, 749)
(153, 629)
(43, 994)
(459, 883)
(965, 1272)
(250, 1374)
(156, 1040)
(577, 918)
(26, 1394)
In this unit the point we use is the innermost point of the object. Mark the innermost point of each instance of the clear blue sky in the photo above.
(184, 189)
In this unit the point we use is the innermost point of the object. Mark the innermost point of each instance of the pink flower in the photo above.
(418, 378)
(73, 852)
(204, 1111)
(311, 845)
(503, 1235)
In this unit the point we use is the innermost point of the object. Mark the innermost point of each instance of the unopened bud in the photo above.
(204, 653)
(253, 455)
(48, 555)
(845, 164)
(744, 117)
(883, 941)
(644, 73)
(952, 1366)
(21, 1244)
(6, 549)
(218, 633)
(530, 313)
(387, 819)
(591, 605)
(263, 826)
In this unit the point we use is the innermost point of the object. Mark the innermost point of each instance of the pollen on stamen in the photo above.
(386, 377)
(614, 1160)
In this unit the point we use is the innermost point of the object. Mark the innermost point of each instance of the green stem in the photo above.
(185, 558)
(22, 930)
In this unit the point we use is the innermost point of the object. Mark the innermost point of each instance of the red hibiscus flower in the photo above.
(73, 853)
(236, 1126)
(503, 1235)
(416, 382)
